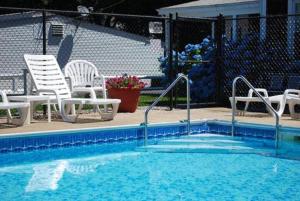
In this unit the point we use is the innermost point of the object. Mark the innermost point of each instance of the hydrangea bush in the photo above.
(240, 57)
(249, 56)
(257, 60)
(201, 75)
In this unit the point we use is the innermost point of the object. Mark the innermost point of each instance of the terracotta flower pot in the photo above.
(129, 98)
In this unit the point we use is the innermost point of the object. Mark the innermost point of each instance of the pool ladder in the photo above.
(188, 121)
(263, 100)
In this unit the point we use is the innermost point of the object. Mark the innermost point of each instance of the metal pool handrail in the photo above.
(263, 100)
(180, 76)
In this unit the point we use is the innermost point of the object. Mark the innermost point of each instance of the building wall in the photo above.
(113, 52)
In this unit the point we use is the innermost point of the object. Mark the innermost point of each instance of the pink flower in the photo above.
(125, 82)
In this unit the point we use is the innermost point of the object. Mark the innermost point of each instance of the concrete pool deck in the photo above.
(155, 116)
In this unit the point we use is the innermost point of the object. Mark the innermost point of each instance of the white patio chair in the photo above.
(49, 80)
(23, 107)
(290, 97)
(83, 75)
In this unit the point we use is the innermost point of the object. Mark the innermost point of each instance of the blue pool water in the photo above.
(196, 167)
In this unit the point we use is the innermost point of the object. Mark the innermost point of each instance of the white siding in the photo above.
(113, 52)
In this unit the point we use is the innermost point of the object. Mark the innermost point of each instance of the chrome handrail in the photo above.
(180, 76)
(263, 100)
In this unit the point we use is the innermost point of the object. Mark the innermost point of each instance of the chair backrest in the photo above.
(81, 72)
(47, 75)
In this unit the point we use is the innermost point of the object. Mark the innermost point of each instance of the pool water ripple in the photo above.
(122, 171)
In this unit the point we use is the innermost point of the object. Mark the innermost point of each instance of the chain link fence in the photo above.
(265, 50)
(19, 35)
(116, 44)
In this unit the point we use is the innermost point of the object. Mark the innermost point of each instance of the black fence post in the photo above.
(25, 71)
(44, 33)
(44, 47)
(219, 59)
(170, 60)
(175, 29)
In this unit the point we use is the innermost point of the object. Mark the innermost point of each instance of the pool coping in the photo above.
(73, 130)
(287, 129)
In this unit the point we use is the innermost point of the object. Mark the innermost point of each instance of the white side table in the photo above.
(32, 99)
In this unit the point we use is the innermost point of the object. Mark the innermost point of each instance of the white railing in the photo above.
(180, 76)
(263, 100)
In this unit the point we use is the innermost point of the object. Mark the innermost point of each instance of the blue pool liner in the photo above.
(44, 140)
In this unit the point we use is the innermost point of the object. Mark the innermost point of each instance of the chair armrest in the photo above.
(102, 78)
(293, 91)
(103, 84)
(58, 98)
(98, 76)
(259, 90)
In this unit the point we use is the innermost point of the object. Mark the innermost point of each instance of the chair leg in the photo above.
(78, 110)
(24, 117)
(55, 108)
(105, 97)
(32, 109)
(246, 107)
(64, 113)
(93, 95)
(9, 116)
(280, 108)
(69, 108)
(73, 111)
(292, 108)
(110, 115)
(294, 115)
(49, 110)
(115, 108)
(269, 110)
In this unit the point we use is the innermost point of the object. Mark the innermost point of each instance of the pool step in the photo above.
(208, 143)
(216, 140)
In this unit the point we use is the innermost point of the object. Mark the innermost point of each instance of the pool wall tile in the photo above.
(105, 135)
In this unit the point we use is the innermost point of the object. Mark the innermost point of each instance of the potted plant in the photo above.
(126, 88)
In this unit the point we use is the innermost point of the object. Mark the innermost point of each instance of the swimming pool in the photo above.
(113, 164)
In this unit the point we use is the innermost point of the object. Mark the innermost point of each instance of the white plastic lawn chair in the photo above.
(83, 75)
(252, 99)
(49, 80)
(290, 97)
(24, 110)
